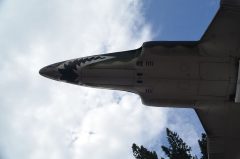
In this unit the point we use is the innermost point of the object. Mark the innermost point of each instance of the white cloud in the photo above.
(41, 118)
(46, 119)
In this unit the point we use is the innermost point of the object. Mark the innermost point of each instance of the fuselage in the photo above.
(163, 74)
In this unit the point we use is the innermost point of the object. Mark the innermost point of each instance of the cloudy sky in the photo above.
(42, 118)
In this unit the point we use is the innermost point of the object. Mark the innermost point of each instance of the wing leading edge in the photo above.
(222, 37)
(221, 123)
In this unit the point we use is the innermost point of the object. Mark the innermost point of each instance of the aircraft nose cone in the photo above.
(42, 71)
(50, 71)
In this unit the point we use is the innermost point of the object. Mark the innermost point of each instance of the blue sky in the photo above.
(42, 118)
(180, 20)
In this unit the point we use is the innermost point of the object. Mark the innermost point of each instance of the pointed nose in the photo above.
(42, 71)
(50, 71)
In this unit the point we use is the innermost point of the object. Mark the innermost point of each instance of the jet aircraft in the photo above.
(203, 75)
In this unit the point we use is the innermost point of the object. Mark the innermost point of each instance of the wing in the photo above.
(221, 123)
(221, 120)
(223, 34)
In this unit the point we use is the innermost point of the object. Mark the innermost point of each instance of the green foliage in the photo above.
(143, 153)
(203, 146)
(177, 148)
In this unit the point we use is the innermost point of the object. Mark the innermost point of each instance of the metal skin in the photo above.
(195, 74)
(163, 74)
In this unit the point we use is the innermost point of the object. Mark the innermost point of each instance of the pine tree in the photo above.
(177, 149)
(143, 153)
(203, 146)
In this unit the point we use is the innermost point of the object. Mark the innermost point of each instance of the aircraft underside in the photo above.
(203, 75)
